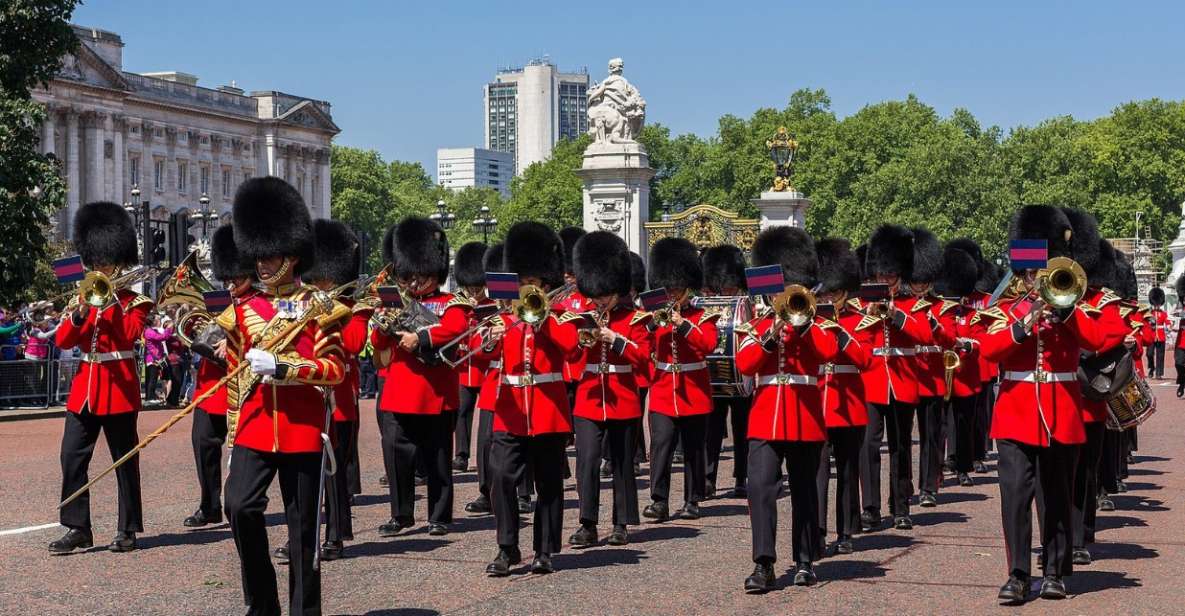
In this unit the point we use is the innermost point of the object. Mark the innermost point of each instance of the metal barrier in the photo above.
(36, 383)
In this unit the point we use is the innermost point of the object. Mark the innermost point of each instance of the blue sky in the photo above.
(405, 77)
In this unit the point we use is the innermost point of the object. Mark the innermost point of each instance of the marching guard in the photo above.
(471, 279)
(724, 276)
(927, 265)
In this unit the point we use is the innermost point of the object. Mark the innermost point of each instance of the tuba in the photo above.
(1062, 283)
(184, 288)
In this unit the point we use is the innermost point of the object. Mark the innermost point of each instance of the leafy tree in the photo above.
(550, 191)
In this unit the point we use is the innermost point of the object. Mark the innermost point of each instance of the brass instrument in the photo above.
(185, 288)
(1061, 283)
(97, 290)
(950, 363)
(391, 321)
(795, 305)
(532, 305)
(590, 336)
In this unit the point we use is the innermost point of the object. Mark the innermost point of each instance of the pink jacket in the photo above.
(154, 343)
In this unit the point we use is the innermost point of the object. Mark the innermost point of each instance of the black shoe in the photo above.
(383, 481)
(1106, 504)
(657, 511)
(332, 550)
(761, 580)
(980, 467)
(585, 537)
(606, 469)
(844, 545)
(460, 464)
(965, 480)
(123, 542)
(437, 530)
(525, 505)
(542, 564)
(74, 539)
(1081, 556)
(709, 490)
(637, 469)
(738, 491)
(281, 555)
(1120, 486)
(1180, 391)
(869, 521)
(619, 536)
(902, 522)
(927, 500)
(481, 504)
(689, 511)
(804, 575)
(199, 519)
(1052, 587)
(1014, 592)
(506, 558)
(392, 528)
(948, 466)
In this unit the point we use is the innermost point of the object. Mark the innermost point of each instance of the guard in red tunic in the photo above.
(892, 383)
(209, 419)
(786, 425)
(283, 409)
(681, 393)
(574, 301)
(616, 345)
(1037, 421)
(105, 393)
(927, 264)
(420, 395)
(471, 278)
(532, 419)
(1179, 348)
(1158, 317)
(980, 298)
(724, 276)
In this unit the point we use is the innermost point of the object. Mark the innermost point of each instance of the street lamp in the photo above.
(485, 223)
(781, 151)
(205, 214)
(443, 217)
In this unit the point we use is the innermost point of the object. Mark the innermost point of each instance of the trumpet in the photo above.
(1062, 283)
(97, 290)
(589, 336)
(795, 305)
(950, 363)
(532, 305)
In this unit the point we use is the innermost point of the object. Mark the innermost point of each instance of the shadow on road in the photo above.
(939, 517)
(407, 611)
(394, 547)
(1121, 551)
(194, 537)
(593, 558)
(946, 498)
(882, 542)
(1138, 486)
(662, 533)
(837, 570)
(1107, 521)
(1143, 471)
(1131, 502)
(1085, 582)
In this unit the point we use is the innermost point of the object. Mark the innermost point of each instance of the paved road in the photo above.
(953, 560)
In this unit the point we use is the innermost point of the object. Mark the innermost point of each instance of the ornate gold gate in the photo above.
(705, 226)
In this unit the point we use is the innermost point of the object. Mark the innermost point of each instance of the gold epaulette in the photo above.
(340, 312)
(999, 320)
(1107, 297)
(824, 323)
(921, 304)
(867, 321)
(639, 316)
(856, 303)
(568, 317)
(139, 300)
(459, 300)
(1124, 311)
(226, 319)
(708, 316)
(1088, 310)
(947, 305)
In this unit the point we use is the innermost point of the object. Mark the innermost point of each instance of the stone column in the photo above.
(47, 131)
(73, 189)
(273, 154)
(94, 155)
(782, 209)
(617, 191)
(117, 156)
(307, 166)
(326, 188)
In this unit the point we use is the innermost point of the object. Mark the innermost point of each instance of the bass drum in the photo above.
(1132, 406)
(734, 311)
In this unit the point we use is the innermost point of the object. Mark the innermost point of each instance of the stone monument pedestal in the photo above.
(617, 191)
(782, 208)
(1177, 249)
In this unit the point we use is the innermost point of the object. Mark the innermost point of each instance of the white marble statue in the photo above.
(616, 111)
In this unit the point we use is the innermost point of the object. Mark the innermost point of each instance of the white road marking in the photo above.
(27, 529)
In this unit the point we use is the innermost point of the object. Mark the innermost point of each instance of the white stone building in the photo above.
(460, 168)
(111, 130)
(529, 109)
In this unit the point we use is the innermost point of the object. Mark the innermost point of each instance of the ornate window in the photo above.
(158, 174)
(134, 169)
(204, 182)
(225, 184)
(182, 176)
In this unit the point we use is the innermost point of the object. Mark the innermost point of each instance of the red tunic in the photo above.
(609, 389)
(353, 334)
(472, 371)
(894, 372)
(107, 381)
(575, 303)
(209, 373)
(1160, 323)
(987, 370)
(842, 386)
(931, 381)
(681, 384)
(959, 325)
(530, 397)
(787, 404)
(419, 388)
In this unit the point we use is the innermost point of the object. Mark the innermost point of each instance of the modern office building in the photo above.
(459, 168)
(529, 109)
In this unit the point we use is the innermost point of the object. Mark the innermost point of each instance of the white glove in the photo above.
(262, 362)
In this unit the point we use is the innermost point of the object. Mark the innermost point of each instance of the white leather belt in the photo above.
(787, 379)
(676, 368)
(96, 358)
(894, 351)
(839, 369)
(1030, 376)
(929, 349)
(608, 369)
(496, 365)
(525, 380)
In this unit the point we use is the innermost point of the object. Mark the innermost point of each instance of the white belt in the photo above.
(96, 358)
(608, 369)
(786, 379)
(677, 368)
(894, 351)
(839, 369)
(496, 365)
(1030, 376)
(929, 349)
(524, 380)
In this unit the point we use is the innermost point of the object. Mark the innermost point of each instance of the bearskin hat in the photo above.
(990, 275)
(927, 256)
(890, 251)
(959, 274)
(839, 268)
(1043, 222)
(674, 263)
(1155, 294)
(637, 273)
(1106, 271)
(1130, 289)
(532, 249)
(1179, 286)
(861, 256)
(492, 260)
(724, 267)
(469, 265)
(225, 260)
(104, 234)
(417, 247)
(569, 236)
(791, 248)
(601, 263)
(339, 257)
(1084, 243)
(271, 220)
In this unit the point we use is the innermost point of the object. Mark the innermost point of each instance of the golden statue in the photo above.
(781, 150)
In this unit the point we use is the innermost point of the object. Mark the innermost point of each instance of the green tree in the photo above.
(550, 191)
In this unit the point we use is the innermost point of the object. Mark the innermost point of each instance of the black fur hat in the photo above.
(839, 269)
(469, 266)
(791, 248)
(532, 249)
(417, 247)
(724, 268)
(338, 256)
(890, 251)
(990, 275)
(225, 260)
(104, 234)
(960, 272)
(601, 263)
(569, 236)
(1043, 222)
(862, 256)
(1106, 271)
(491, 261)
(637, 273)
(927, 256)
(674, 263)
(1084, 243)
(1130, 289)
(1179, 286)
(271, 220)
(1155, 294)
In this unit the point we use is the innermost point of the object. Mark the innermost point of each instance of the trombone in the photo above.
(531, 307)
(796, 305)
(97, 290)
(1062, 283)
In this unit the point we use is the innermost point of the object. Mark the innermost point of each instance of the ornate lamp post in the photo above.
(781, 151)
(485, 223)
(205, 214)
(443, 217)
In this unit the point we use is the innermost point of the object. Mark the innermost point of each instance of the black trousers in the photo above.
(339, 525)
(692, 431)
(209, 436)
(464, 429)
(1086, 485)
(618, 435)
(963, 409)
(930, 443)
(485, 433)
(410, 440)
(1109, 467)
(1047, 474)
(983, 420)
(152, 374)
(845, 444)
(251, 473)
(79, 436)
(1156, 360)
(894, 420)
(1179, 364)
(353, 465)
(724, 409)
(801, 460)
(510, 456)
